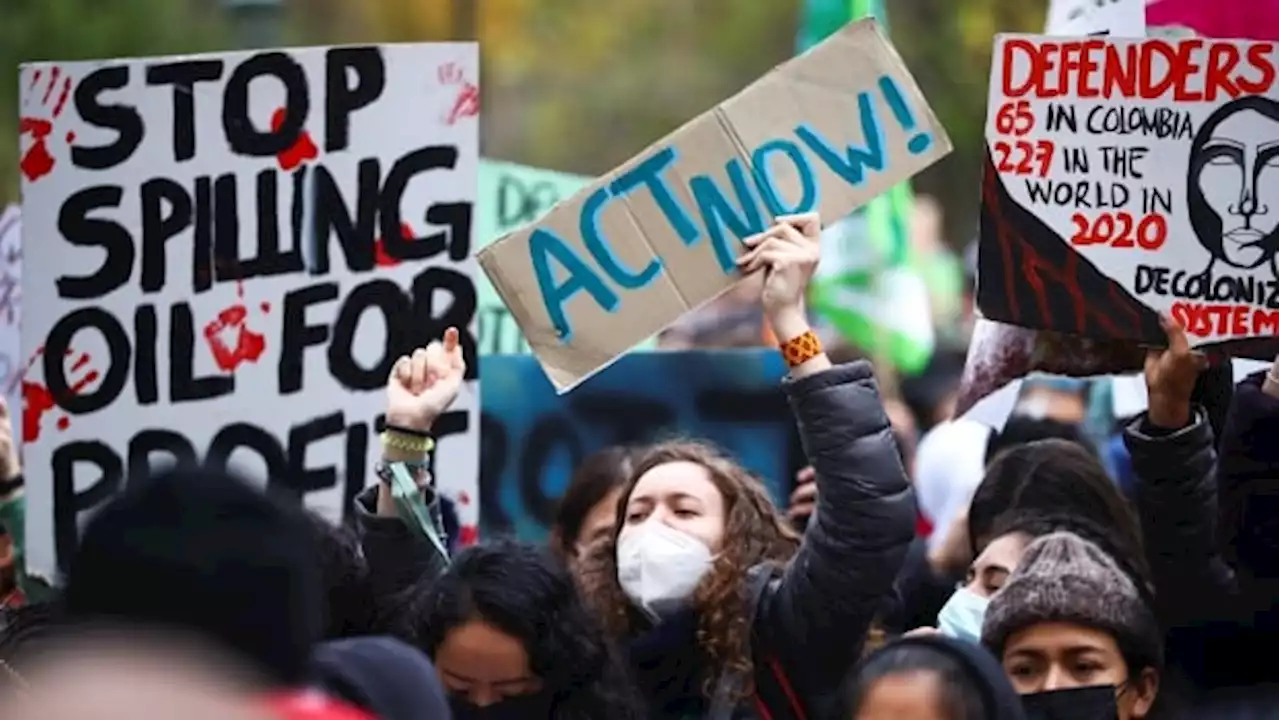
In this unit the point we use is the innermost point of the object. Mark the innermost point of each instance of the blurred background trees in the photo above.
(573, 85)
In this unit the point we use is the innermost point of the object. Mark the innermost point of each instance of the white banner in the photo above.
(186, 301)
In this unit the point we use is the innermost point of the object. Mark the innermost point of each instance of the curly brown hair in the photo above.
(754, 533)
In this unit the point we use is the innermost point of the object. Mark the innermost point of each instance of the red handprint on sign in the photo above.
(230, 339)
(46, 98)
(38, 401)
(467, 102)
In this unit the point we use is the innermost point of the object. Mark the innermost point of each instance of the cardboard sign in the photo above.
(227, 254)
(1112, 18)
(11, 360)
(511, 196)
(533, 439)
(1127, 178)
(657, 237)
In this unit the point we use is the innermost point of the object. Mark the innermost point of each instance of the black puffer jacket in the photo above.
(813, 619)
(1221, 632)
(810, 621)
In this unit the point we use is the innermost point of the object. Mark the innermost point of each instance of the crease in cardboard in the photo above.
(846, 65)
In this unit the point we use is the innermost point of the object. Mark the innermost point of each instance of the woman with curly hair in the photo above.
(510, 638)
(727, 614)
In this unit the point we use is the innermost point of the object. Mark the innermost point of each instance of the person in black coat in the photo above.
(726, 612)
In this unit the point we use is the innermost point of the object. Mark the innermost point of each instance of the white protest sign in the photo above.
(11, 360)
(168, 205)
(657, 237)
(1114, 18)
(1127, 178)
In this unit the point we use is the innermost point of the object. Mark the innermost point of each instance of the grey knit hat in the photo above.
(1064, 578)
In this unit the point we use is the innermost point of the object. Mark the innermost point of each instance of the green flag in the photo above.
(873, 294)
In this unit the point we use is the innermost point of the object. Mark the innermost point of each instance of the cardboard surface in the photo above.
(510, 196)
(658, 236)
(1138, 178)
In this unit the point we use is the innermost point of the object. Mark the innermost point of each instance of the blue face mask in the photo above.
(961, 617)
(1097, 702)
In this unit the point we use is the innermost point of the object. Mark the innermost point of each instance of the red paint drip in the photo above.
(53, 82)
(36, 162)
(301, 151)
(465, 105)
(468, 535)
(381, 257)
(37, 401)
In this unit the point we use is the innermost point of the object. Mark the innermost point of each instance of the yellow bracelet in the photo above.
(408, 443)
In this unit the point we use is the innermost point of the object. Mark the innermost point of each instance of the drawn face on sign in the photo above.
(1233, 183)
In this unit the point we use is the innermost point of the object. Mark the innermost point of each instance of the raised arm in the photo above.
(818, 614)
(1172, 448)
(420, 388)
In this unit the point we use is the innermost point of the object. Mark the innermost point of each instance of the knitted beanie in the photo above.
(202, 553)
(1064, 578)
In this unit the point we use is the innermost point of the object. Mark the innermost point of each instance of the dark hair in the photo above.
(346, 580)
(1038, 523)
(1022, 429)
(959, 697)
(525, 592)
(923, 392)
(755, 533)
(597, 475)
(1129, 559)
(1051, 476)
(25, 630)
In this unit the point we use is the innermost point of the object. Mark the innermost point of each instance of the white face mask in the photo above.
(659, 567)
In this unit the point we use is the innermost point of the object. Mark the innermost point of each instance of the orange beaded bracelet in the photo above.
(801, 349)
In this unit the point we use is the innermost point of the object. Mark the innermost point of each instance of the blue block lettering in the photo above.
(718, 212)
(769, 189)
(545, 246)
(649, 174)
(853, 163)
(589, 226)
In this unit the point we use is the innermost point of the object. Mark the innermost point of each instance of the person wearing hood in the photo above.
(383, 676)
(930, 677)
(1076, 634)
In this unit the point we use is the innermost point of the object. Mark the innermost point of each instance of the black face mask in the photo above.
(517, 707)
(1097, 702)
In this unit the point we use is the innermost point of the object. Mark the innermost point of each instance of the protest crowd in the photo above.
(1035, 479)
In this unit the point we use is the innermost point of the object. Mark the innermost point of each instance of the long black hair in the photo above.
(1053, 476)
(527, 593)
